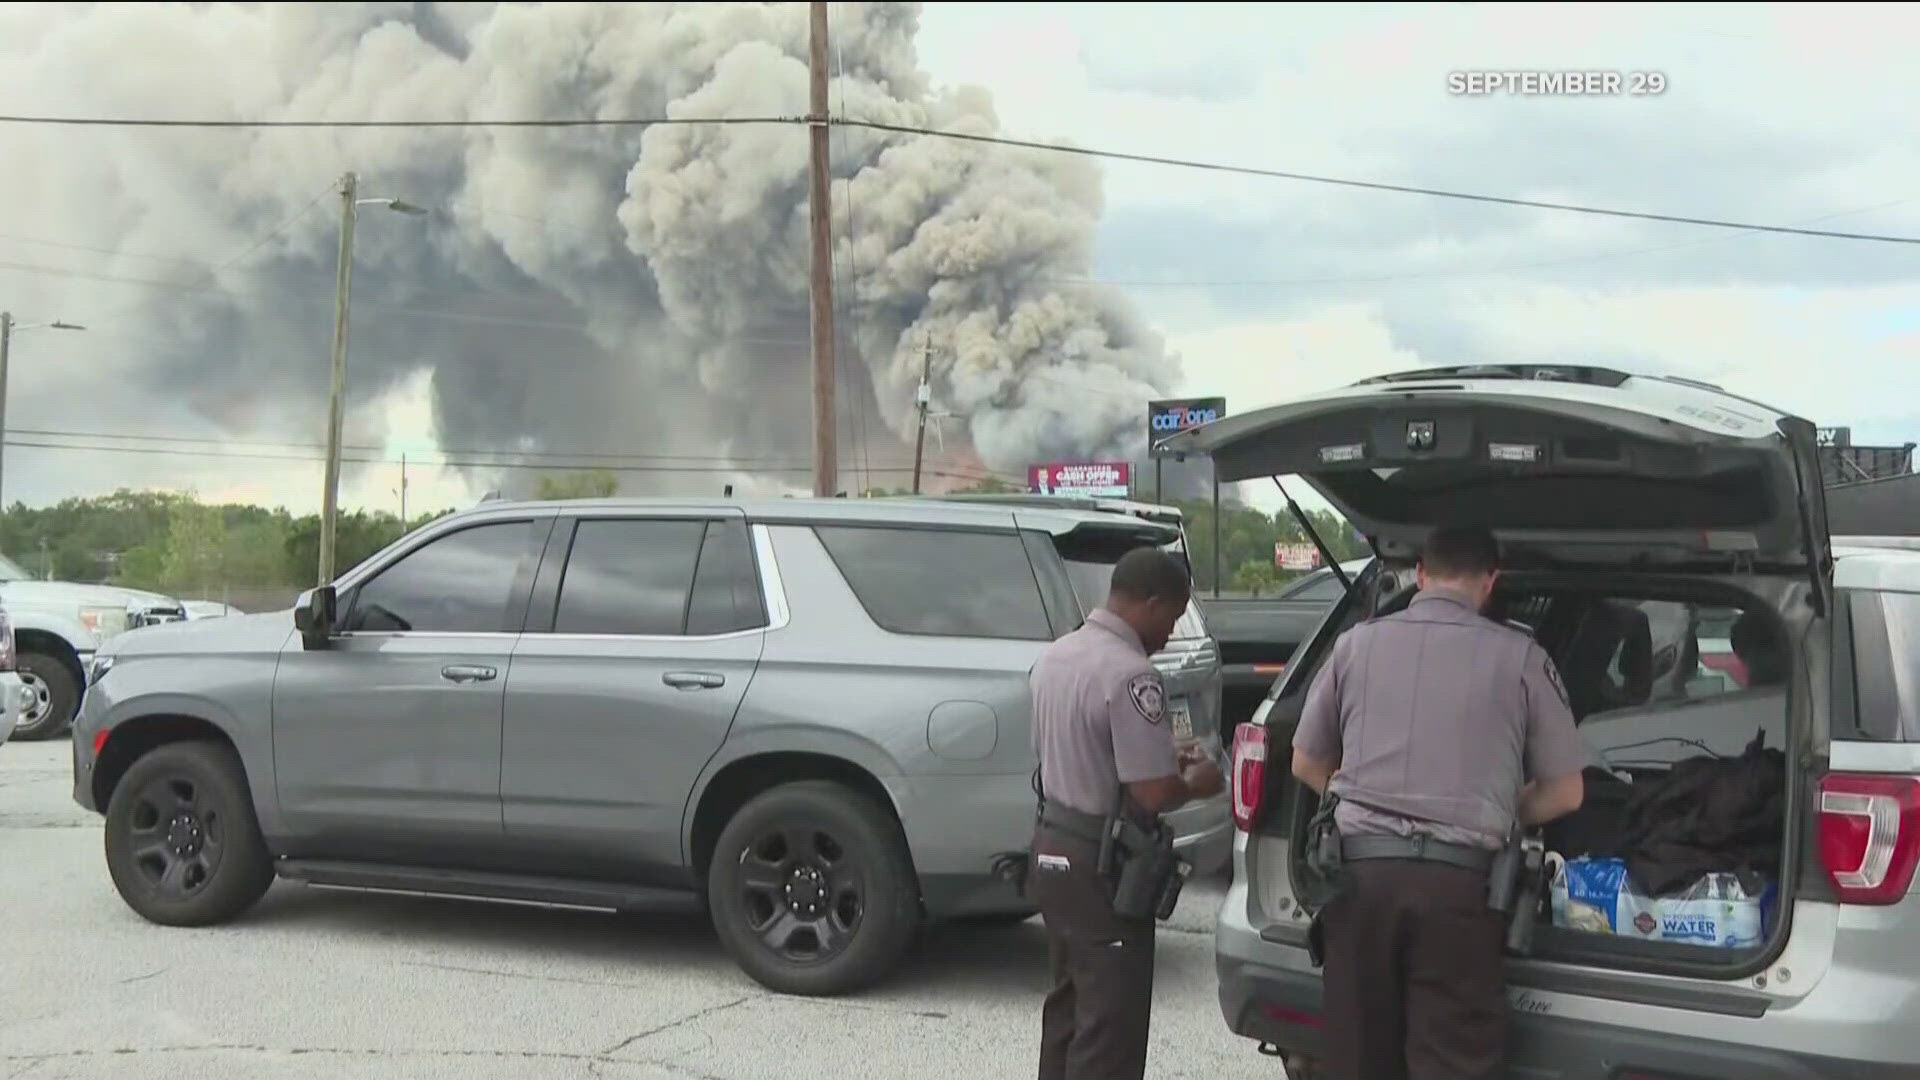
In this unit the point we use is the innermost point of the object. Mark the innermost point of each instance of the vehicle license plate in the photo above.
(1182, 718)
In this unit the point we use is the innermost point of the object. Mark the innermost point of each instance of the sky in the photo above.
(1262, 288)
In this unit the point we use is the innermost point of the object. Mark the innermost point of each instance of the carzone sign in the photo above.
(1167, 418)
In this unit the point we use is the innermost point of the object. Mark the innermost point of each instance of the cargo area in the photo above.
(1681, 690)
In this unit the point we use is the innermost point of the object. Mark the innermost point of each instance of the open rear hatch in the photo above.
(1570, 466)
(1593, 479)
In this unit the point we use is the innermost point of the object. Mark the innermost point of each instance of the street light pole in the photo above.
(336, 404)
(336, 398)
(7, 328)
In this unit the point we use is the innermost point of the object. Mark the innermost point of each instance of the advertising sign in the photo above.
(1103, 479)
(1169, 418)
(1296, 556)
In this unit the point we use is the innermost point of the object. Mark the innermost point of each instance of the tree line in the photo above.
(175, 544)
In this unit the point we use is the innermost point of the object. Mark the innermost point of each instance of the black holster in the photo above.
(1516, 887)
(1321, 857)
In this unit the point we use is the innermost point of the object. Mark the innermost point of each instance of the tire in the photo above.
(761, 890)
(58, 692)
(183, 845)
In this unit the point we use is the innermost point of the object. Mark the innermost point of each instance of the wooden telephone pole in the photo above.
(825, 478)
(922, 398)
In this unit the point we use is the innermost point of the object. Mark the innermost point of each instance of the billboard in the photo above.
(1167, 418)
(1105, 479)
(1296, 556)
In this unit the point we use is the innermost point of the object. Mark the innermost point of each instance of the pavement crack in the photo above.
(603, 983)
(687, 1019)
(144, 978)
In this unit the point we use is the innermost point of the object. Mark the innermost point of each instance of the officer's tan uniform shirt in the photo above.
(1437, 717)
(1099, 716)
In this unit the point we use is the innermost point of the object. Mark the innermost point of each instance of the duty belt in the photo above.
(1074, 823)
(1416, 848)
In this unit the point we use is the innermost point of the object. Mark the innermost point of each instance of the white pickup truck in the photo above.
(58, 626)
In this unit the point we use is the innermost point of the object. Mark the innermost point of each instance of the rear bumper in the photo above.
(1281, 1005)
(1282, 1008)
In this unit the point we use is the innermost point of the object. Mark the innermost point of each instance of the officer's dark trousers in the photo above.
(1094, 1023)
(1415, 983)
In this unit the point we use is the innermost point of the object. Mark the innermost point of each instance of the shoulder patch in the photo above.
(1148, 696)
(1553, 676)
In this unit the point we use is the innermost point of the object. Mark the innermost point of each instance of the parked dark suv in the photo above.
(809, 716)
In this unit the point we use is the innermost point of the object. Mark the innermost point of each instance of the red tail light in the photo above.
(1870, 835)
(7, 653)
(1249, 773)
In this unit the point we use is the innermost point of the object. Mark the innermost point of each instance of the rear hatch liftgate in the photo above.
(1579, 471)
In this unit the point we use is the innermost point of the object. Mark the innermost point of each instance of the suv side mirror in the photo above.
(313, 616)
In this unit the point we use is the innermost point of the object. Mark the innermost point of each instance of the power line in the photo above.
(315, 458)
(456, 451)
(963, 136)
(1438, 193)
(1452, 273)
(564, 122)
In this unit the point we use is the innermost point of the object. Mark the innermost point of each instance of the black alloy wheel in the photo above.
(178, 833)
(183, 845)
(812, 889)
(803, 894)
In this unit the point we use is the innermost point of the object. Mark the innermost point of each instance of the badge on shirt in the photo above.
(1148, 697)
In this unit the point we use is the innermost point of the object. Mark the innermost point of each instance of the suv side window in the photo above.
(1886, 664)
(726, 585)
(981, 583)
(460, 583)
(629, 576)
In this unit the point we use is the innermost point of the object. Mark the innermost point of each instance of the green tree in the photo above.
(597, 484)
(1256, 577)
(196, 546)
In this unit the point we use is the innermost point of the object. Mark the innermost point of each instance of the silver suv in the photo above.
(1668, 546)
(810, 717)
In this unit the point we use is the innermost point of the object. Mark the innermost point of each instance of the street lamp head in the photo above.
(65, 326)
(396, 205)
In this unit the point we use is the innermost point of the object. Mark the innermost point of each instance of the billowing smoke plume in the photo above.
(605, 289)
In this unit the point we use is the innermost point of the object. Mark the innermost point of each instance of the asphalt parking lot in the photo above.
(318, 983)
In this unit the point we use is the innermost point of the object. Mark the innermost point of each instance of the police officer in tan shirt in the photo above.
(1100, 728)
(1436, 728)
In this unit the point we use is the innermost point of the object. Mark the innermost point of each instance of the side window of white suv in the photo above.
(1886, 664)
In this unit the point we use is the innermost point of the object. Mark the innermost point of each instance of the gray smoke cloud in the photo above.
(610, 289)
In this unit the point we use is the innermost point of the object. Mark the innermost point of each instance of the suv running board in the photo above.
(479, 885)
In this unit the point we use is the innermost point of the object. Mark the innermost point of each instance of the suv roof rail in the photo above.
(1166, 515)
(1574, 373)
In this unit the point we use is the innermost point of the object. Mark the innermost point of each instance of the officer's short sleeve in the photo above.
(1142, 735)
(1318, 734)
(1554, 748)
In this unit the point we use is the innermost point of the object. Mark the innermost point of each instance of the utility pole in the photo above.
(403, 491)
(825, 464)
(336, 403)
(923, 397)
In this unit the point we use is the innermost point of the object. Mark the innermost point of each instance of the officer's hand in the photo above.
(1203, 779)
(1193, 755)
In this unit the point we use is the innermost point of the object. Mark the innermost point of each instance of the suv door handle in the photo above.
(694, 680)
(466, 673)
